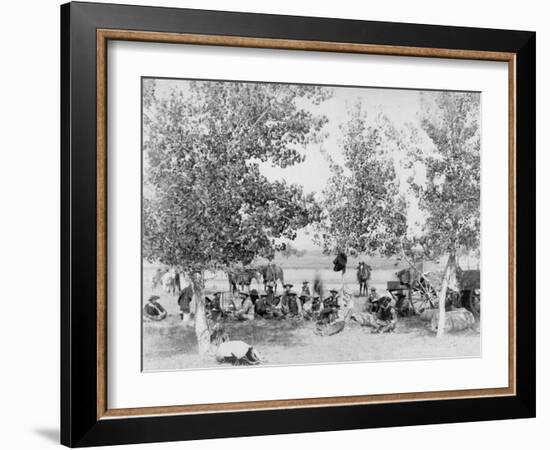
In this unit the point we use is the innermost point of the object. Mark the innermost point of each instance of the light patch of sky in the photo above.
(401, 106)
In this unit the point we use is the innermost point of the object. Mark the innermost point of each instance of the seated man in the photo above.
(386, 316)
(294, 304)
(371, 300)
(263, 307)
(374, 306)
(154, 310)
(216, 312)
(274, 304)
(307, 306)
(305, 289)
(254, 295)
(285, 299)
(329, 313)
(316, 305)
(246, 311)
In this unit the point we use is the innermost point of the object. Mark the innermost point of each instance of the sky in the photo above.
(401, 106)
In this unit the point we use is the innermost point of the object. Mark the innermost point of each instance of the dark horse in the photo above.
(271, 273)
(363, 277)
(242, 278)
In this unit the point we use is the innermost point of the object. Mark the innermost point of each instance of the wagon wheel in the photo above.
(474, 303)
(422, 301)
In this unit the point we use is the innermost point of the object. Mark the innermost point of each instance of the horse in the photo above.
(157, 277)
(171, 282)
(271, 273)
(241, 278)
(363, 277)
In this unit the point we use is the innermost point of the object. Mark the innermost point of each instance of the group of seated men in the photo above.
(269, 305)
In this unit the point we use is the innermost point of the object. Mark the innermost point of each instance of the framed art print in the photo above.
(277, 224)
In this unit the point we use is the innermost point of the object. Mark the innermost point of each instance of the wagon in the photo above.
(470, 294)
(414, 291)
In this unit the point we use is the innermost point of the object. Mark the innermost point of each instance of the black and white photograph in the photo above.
(288, 224)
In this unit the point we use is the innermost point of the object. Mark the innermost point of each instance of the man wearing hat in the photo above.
(254, 295)
(246, 311)
(294, 304)
(184, 301)
(316, 305)
(215, 307)
(285, 299)
(371, 305)
(330, 307)
(305, 289)
(386, 316)
(153, 310)
(262, 307)
(307, 306)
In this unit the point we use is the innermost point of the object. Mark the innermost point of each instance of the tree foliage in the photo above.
(450, 196)
(207, 204)
(363, 209)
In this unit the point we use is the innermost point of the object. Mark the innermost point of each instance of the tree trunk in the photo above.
(450, 272)
(201, 325)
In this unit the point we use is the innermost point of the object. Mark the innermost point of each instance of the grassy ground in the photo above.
(170, 345)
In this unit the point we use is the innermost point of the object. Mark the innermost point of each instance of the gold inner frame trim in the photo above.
(104, 35)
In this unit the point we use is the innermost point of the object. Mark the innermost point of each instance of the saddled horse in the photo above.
(241, 278)
(271, 273)
(363, 277)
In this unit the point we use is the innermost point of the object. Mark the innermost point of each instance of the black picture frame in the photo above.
(80, 425)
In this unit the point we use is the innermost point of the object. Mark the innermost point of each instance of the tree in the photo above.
(364, 211)
(207, 205)
(450, 197)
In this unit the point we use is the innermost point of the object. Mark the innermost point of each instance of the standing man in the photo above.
(184, 301)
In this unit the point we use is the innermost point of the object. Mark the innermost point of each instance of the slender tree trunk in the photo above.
(450, 272)
(201, 325)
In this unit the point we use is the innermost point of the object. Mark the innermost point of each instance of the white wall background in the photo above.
(29, 225)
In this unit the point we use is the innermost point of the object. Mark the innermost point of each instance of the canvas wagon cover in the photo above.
(469, 279)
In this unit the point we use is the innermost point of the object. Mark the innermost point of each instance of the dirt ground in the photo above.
(171, 345)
